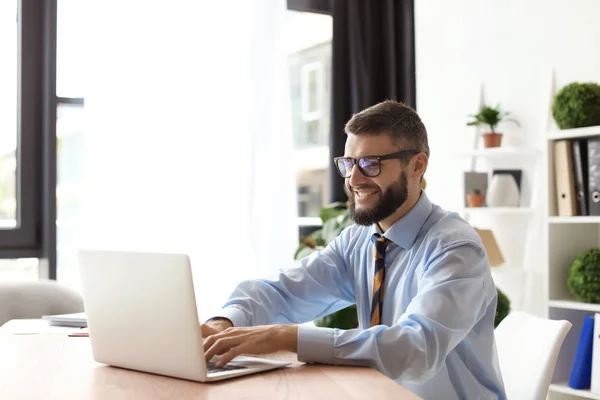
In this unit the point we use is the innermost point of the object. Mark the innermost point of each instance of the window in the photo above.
(19, 269)
(70, 142)
(70, 135)
(21, 144)
(309, 58)
(8, 114)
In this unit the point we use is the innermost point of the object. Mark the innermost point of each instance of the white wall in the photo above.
(509, 46)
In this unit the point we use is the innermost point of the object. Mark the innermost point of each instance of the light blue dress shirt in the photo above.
(437, 332)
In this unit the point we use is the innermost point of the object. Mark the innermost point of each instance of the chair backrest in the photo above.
(528, 347)
(32, 299)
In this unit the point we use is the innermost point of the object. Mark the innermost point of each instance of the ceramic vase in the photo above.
(503, 191)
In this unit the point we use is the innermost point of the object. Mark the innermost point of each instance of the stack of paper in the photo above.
(35, 327)
(77, 320)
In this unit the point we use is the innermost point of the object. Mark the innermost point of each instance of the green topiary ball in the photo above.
(584, 276)
(502, 308)
(577, 105)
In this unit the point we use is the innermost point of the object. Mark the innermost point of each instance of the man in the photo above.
(419, 276)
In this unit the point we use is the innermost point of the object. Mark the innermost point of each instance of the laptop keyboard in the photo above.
(212, 367)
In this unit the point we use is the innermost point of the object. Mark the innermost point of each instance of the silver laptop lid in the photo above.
(141, 312)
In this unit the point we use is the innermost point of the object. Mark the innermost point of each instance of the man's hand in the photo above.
(215, 326)
(252, 340)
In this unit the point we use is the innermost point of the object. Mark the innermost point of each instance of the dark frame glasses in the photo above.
(369, 166)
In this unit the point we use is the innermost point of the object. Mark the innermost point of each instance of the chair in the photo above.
(32, 299)
(528, 348)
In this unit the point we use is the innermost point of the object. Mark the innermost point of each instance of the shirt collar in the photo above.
(404, 231)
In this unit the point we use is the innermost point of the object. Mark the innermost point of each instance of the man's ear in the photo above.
(420, 165)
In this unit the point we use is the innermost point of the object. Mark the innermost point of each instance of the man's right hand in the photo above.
(211, 327)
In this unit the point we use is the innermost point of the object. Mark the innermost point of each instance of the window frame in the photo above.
(312, 6)
(35, 234)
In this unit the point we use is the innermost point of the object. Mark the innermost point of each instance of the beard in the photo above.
(389, 201)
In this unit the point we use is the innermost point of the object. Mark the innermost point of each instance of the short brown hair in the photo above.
(393, 118)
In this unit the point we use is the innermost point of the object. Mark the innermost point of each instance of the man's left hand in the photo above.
(250, 340)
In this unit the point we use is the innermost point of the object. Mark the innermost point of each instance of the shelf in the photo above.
(574, 305)
(564, 388)
(575, 220)
(498, 210)
(502, 152)
(574, 133)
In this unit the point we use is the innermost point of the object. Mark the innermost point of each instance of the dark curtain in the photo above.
(373, 59)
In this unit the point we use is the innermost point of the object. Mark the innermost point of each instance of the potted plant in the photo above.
(584, 276)
(475, 199)
(577, 105)
(491, 117)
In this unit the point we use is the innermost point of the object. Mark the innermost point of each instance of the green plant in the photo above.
(584, 276)
(502, 309)
(577, 105)
(491, 116)
(335, 218)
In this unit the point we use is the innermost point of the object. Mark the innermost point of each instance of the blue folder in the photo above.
(581, 374)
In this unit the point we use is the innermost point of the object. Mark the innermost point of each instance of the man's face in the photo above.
(372, 199)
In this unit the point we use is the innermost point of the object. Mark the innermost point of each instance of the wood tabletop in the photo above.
(61, 367)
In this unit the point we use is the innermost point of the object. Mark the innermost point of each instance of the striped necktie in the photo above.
(381, 244)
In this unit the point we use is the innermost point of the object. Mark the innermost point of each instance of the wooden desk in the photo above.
(60, 367)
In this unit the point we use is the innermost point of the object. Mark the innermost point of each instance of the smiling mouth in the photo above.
(365, 193)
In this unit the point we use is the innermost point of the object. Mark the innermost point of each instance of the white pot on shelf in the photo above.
(503, 191)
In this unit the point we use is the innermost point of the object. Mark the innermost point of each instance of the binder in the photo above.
(563, 174)
(581, 373)
(594, 176)
(580, 173)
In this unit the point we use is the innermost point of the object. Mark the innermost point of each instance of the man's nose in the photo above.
(357, 177)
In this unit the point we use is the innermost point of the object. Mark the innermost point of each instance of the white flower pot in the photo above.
(503, 191)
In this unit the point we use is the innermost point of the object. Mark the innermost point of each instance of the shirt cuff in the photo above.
(234, 314)
(315, 345)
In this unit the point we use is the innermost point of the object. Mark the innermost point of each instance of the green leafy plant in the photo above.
(335, 218)
(584, 276)
(577, 105)
(490, 116)
(502, 309)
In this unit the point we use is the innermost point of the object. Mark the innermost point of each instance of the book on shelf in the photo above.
(563, 174)
(580, 175)
(577, 176)
(593, 195)
(581, 372)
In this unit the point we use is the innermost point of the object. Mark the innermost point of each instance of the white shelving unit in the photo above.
(564, 238)
(500, 211)
(502, 152)
(514, 276)
(563, 389)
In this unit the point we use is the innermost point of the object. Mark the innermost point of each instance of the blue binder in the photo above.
(581, 374)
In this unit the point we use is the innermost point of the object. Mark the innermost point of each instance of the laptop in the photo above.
(141, 315)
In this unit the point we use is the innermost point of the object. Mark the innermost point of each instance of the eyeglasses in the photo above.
(368, 165)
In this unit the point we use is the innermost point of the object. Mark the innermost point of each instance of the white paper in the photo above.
(34, 327)
(595, 385)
